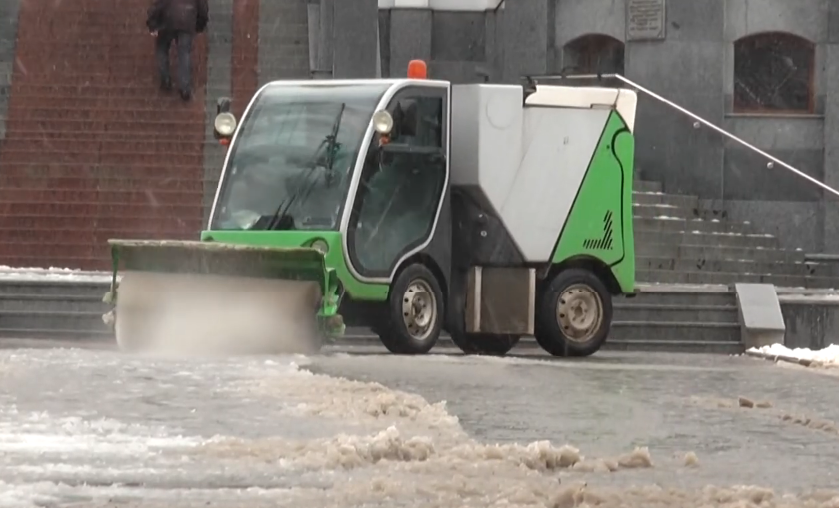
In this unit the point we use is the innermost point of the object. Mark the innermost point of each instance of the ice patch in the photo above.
(40, 433)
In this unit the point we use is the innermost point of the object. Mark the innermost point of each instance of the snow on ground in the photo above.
(827, 357)
(254, 432)
(316, 440)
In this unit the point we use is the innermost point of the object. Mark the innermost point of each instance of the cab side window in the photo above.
(419, 121)
(401, 184)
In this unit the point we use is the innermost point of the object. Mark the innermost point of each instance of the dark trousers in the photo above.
(184, 42)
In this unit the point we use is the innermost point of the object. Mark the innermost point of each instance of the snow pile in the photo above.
(319, 395)
(404, 430)
(416, 454)
(827, 357)
(767, 408)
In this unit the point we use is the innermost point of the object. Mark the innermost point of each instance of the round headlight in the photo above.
(382, 122)
(320, 246)
(225, 124)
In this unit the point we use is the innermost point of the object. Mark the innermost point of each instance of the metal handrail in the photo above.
(695, 117)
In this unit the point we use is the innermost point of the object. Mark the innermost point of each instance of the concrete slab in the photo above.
(761, 320)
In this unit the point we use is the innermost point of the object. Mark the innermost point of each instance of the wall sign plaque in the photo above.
(645, 20)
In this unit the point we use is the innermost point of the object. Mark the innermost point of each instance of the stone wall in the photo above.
(689, 60)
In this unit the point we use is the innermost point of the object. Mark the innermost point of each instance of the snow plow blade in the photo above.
(210, 297)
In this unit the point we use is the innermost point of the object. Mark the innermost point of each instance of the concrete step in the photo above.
(678, 212)
(706, 238)
(694, 331)
(737, 266)
(694, 250)
(52, 320)
(674, 313)
(664, 223)
(695, 277)
(662, 210)
(362, 337)
(62, 303)
(675, 346)
(104, 336)
(671, 294)
(646, 186)
(659, 198)
(42, 285)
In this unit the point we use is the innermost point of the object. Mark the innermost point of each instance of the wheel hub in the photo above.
(579, 312)
(419, 309)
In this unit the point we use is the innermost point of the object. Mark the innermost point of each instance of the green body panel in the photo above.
(334, 258)
(600, 222)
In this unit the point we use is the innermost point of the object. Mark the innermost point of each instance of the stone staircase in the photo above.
(92, 150)
(49, 307)
(687, 319)
(687, 260)
(685, 301)
(676, 242)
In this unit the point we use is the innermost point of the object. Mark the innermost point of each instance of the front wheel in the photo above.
(415, 312)
(574, 314)
(484, 343)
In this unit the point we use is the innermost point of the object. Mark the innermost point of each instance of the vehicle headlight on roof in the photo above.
(225, 124)
(382, 122)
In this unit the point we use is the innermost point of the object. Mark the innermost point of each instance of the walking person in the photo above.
(178, 21)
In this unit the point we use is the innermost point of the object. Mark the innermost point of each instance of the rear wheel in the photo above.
(484, 343)
(415, 312)
(574, 315)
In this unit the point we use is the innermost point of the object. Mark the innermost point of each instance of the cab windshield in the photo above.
(292, 160)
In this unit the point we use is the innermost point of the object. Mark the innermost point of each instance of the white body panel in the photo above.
(530, 161)
(622, 100)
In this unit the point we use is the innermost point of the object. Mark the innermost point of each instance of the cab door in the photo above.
(402, 183)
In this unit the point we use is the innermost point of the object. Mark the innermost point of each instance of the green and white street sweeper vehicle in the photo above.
(409, 206)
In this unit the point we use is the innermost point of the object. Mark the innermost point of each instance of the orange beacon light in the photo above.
(417, 69)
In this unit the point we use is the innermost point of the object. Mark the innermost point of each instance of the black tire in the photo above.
(485, 344)
(395, 333)
(557, 338)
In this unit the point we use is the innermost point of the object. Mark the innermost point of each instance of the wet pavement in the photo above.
(88, 427)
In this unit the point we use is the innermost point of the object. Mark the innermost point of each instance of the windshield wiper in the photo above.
(332, 146)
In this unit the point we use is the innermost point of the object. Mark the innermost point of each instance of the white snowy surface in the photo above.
(826, 356)
(256, 432)
(8, 273)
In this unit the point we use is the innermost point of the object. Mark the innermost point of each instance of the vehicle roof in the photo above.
(339, 82)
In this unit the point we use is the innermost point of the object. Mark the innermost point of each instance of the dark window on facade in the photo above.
(593, 54)
(773, 73)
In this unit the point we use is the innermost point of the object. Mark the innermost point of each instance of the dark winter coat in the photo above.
(189, 16)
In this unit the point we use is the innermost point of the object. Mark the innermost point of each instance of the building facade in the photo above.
(765, 70)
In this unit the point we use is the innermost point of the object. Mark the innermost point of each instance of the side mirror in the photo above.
(223, 105)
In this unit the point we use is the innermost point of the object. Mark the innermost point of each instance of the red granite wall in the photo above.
(92, 149)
